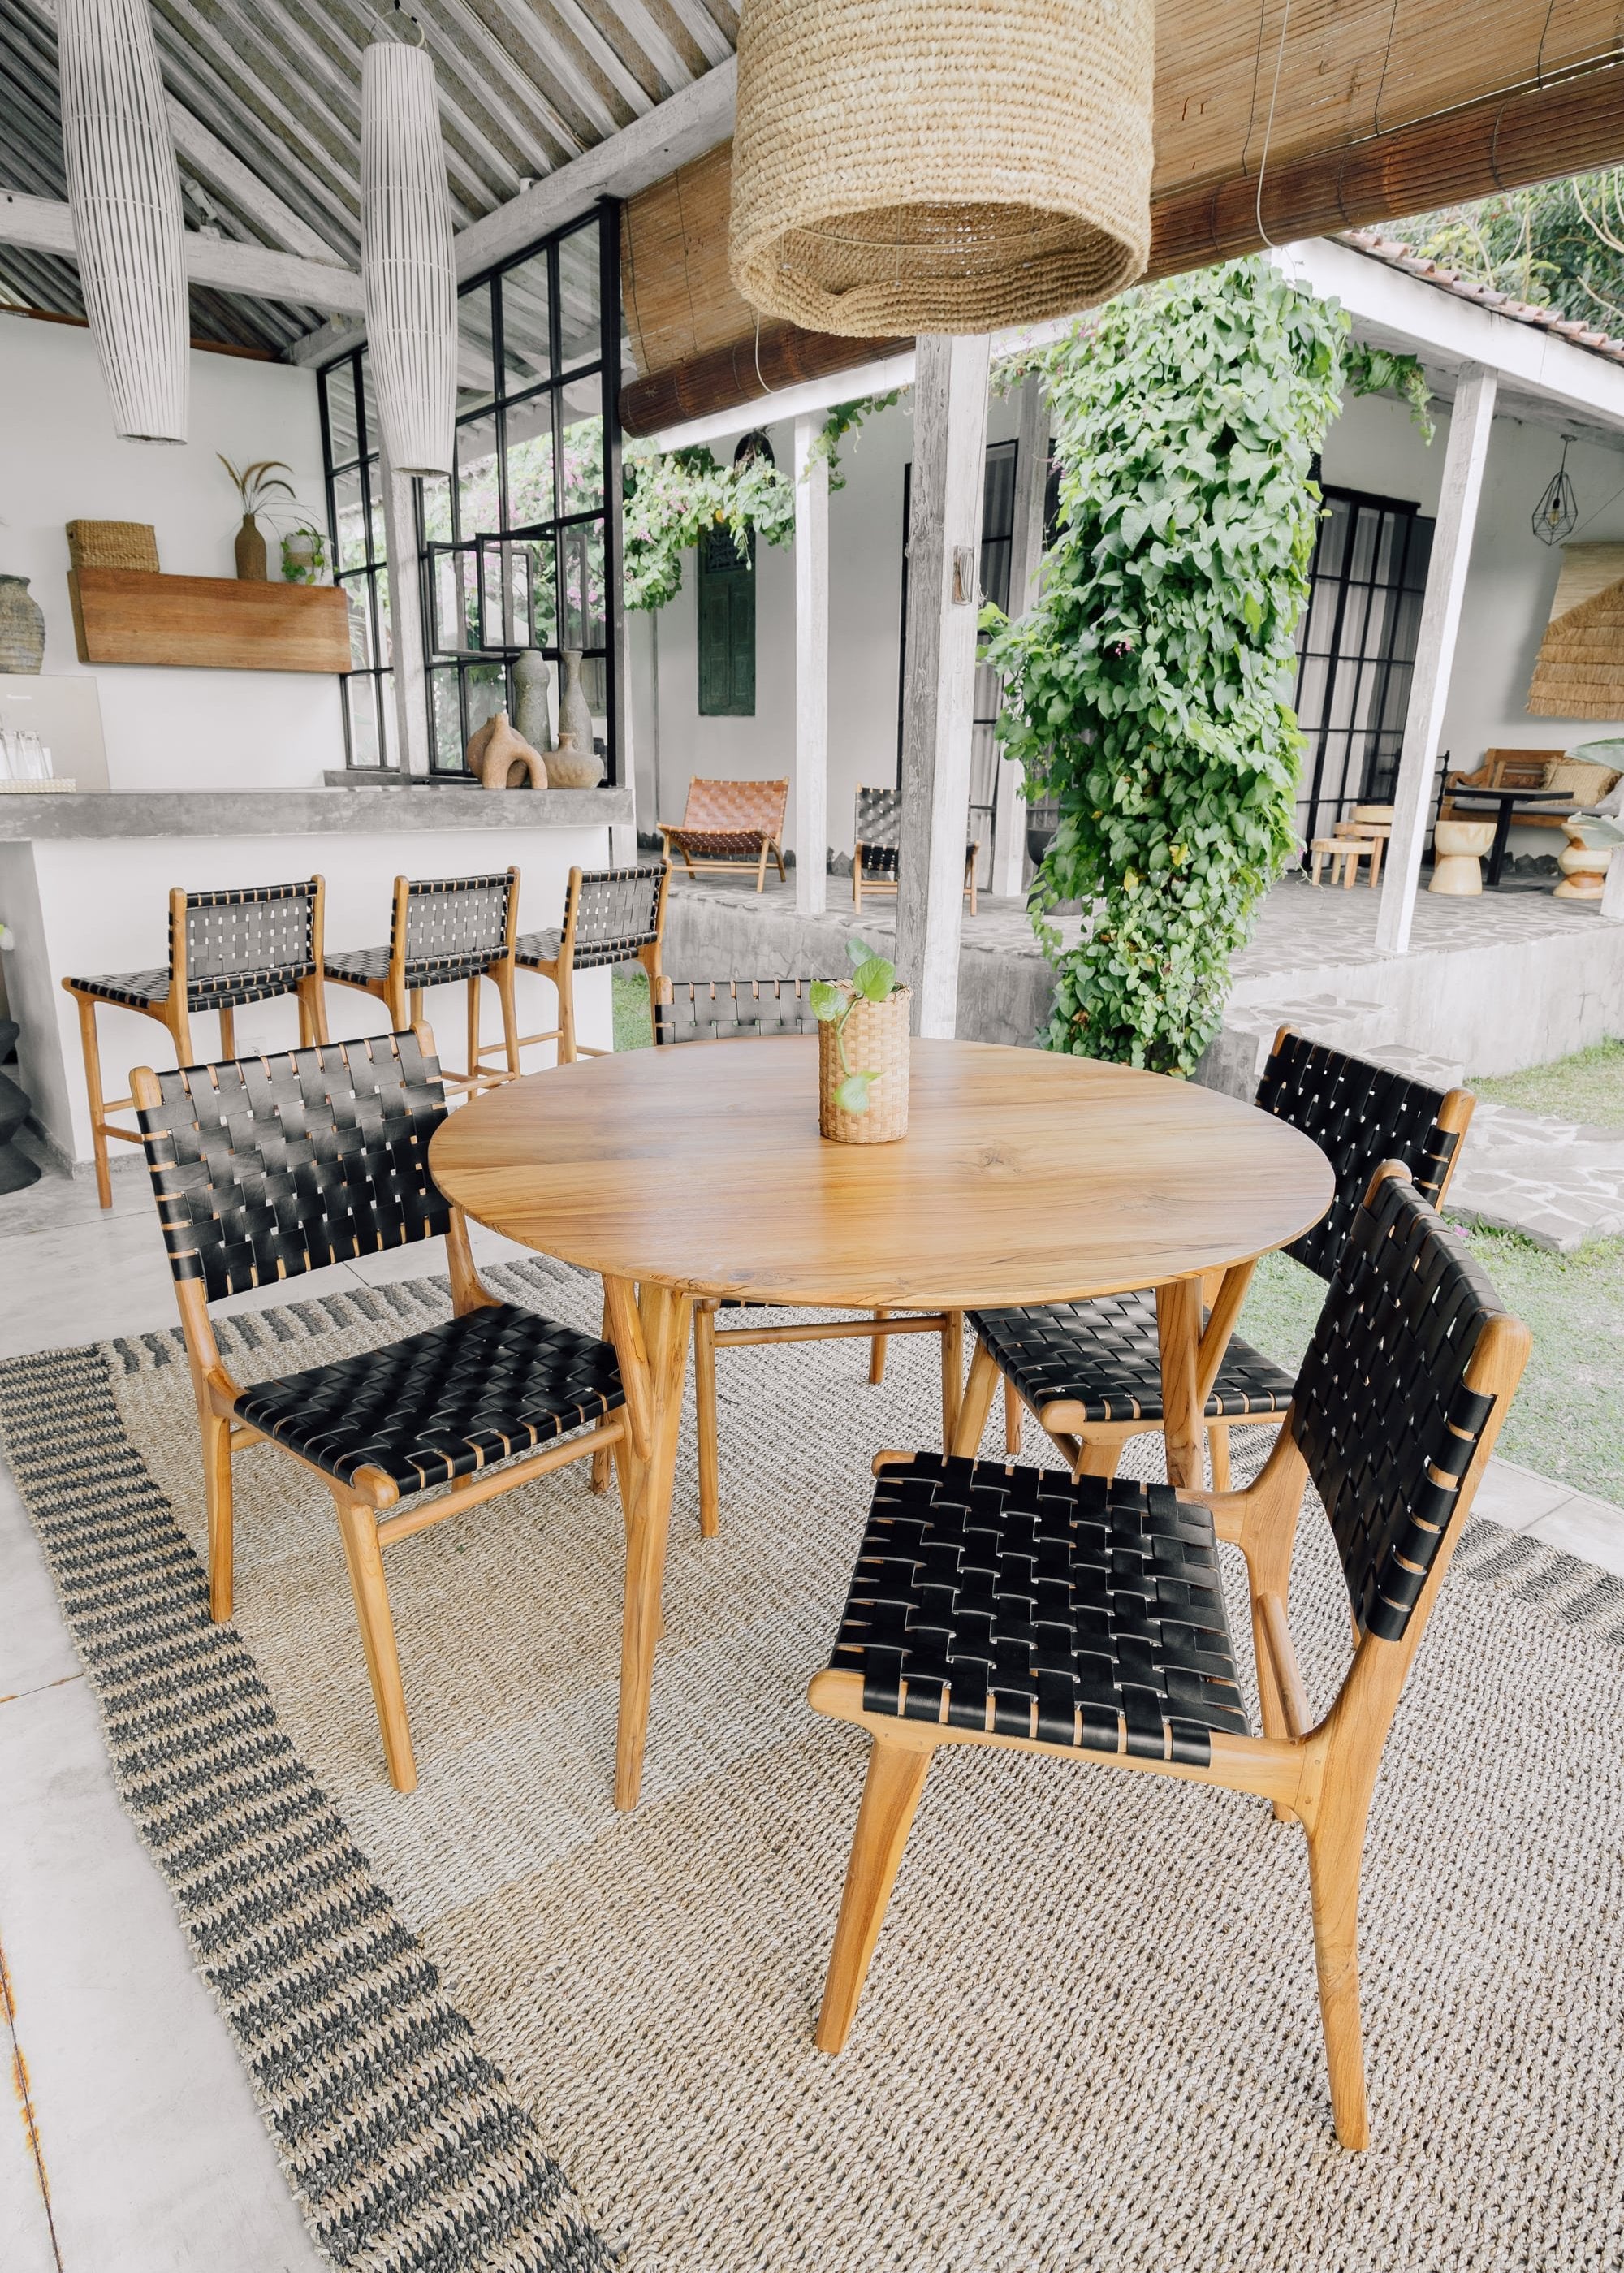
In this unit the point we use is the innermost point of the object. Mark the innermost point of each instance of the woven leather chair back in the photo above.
(617, 912)
(733, 1010)
(1358, 1114)
(1381, 1409)
(731, 805)
(878, 819)
(244, 946)
(456, 926)
(265, 1167)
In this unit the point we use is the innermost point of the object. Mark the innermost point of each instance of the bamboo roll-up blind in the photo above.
(1579, 671)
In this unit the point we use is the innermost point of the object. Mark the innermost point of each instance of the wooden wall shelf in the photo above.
(207, 623)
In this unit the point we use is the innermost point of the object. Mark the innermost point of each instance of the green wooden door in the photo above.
(727, 596)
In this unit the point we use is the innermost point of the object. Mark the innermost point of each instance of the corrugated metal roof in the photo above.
(525, 85)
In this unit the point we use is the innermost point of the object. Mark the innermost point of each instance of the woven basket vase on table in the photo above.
(940, 165)
(877, 1041)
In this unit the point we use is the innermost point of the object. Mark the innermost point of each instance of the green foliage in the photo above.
(847, 419)
(1383, 371)
(1559, 245)
(1147, 692)
(672, 498)
(872, 979)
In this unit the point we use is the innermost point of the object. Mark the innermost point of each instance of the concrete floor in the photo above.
(132, 2143)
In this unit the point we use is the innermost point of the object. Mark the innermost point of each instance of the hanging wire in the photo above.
(397, 17)
(1557, 513)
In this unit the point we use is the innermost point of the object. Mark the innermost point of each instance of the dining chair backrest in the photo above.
(1380, 1412)
(1359, 1115)
(732, 1009)
(242, 945)
(455, 926)
(610, 913)
(878, 817)
(264, 1167)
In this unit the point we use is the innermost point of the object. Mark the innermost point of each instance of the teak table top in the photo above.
(1024, 1177)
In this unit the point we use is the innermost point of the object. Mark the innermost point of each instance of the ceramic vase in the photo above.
(533, 711)
(22, 628)
(503, 759)
(574, 711)
(251, 568)
(569, 767)
(299, 548)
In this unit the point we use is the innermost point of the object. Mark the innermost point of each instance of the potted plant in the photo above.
(863, 1019)
(255, 484)
(304, 554)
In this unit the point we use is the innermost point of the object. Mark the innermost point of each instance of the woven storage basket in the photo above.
(113, 544)
(877, 1041)
(940, 165)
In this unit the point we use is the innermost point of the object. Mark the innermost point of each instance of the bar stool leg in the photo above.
(502, 973)
(92, 1090)
(566, 984)
(227, 1031)
(473, 1056)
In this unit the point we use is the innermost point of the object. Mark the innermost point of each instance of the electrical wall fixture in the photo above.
(129, 225)
(1557, 513)
(408, 267)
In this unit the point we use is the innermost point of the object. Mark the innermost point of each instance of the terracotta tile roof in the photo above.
(1371, 241)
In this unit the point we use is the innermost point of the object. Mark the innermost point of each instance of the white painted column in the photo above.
(1464, 457)
(1026, 561)
(1612, 890)
(410, 683)
(944, 593)
(812, 671)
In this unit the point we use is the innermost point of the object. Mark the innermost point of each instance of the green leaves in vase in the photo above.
(873, 979)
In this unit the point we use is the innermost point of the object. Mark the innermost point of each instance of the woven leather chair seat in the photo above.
(1104, 1357)
(533, 948)
(1016, 1601)
(441, 1404)
(147, 990)
(365, 966)
(717, 843)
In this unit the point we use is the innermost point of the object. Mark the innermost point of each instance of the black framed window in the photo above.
(360, 557)
(1356, 644)
(521, 551)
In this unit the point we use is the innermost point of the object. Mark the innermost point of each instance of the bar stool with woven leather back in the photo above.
(738, 1009)
(730, 824)
(611, 916)
(226, 949)
(1091, 1371)
(445, 929)
(267, 1168)
(1084, 1619)
(876, 830)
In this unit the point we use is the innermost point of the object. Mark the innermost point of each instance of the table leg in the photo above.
(1497, 850)
(1179, 1325)
(652, 1341)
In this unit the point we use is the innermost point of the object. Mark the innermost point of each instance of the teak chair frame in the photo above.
(1095, 1448)
(404, 1004)
(363, 1505)
(175, 1016)
(672, 832)
(560, 969)
(880, 883)
(1321, 1773)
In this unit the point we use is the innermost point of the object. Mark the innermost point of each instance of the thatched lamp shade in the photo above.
(940, 165)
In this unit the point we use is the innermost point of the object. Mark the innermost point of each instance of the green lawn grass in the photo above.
(631, 1010)
(1588, 1087)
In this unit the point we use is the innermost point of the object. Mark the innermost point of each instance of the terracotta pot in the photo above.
(877, 1041)
(503, 759)
(570, 768)
(251, 568)
(22, 628)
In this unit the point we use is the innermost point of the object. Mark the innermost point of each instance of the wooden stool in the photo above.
(226, 949)
(443, 929)
(1584, 867)
(1345, 854)
(1458, 847)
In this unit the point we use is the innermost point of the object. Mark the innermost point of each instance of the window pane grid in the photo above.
(356, 535)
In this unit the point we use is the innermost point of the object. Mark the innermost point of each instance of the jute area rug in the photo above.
(497, 2026)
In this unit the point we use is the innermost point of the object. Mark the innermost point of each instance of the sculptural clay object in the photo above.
(503, 759)
(570, 768)
(22, 628)
(575, 710)
(533, 711)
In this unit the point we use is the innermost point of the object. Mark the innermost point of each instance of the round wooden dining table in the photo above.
(1025, 1177)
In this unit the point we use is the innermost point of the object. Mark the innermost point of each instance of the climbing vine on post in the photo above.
(1148, 691)
(671, 498)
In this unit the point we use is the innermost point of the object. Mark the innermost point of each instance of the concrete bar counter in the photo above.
(84, 882)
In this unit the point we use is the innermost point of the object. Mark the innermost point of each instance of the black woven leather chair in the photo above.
(744, 1010)
(877, 826)
(226, 949)
(1084, 1620)
(1091, 1371)
(444, 930)
(267, 1167)
(611, 916)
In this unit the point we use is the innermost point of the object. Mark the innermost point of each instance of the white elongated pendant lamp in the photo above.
(408, 267)
(129, 227)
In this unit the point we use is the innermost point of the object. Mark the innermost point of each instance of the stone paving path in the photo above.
(1557, 1181)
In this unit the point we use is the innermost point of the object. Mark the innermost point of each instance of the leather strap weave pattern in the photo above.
(877, 828)
(1104, 1357)
(1382, 1398)
(732, 807)
(617, 912)
(734, 1009)
(1014, 1601)
(442, 1404)
(241, 946)
(456, 927)
(267, 1168)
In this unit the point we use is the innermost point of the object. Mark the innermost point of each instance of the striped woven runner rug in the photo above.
(495, 2026)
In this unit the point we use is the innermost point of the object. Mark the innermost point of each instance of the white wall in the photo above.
(865, 599)
(60, 460)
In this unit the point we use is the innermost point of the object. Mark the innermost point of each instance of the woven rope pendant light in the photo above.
(407, 268)
(124, 193)
(940, 165)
